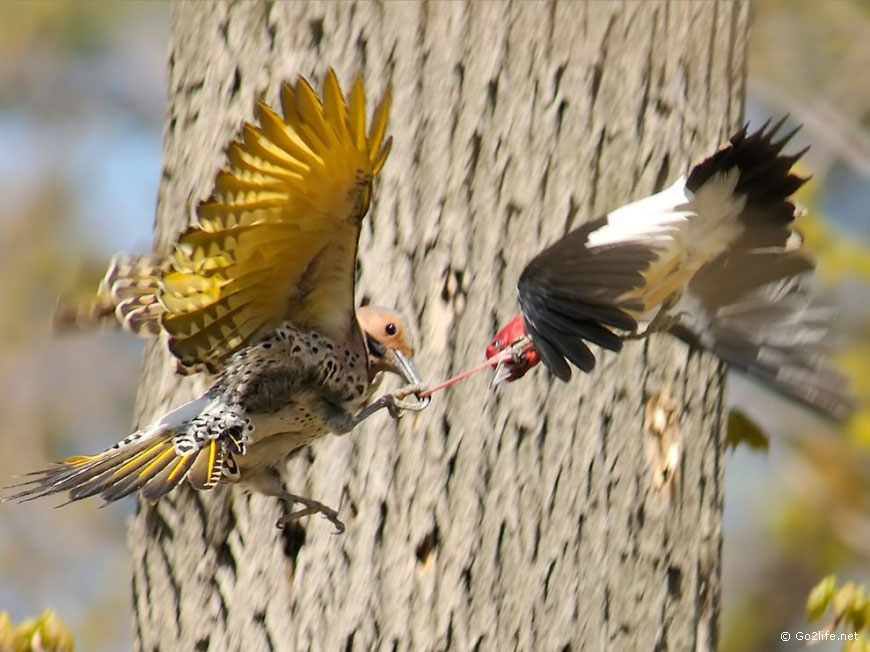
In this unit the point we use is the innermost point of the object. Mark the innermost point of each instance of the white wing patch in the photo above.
(658, 217)
(715, 224)
(700, 226)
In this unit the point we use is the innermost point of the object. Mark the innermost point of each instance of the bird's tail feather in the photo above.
(758, 312)
(764, 178)
(127, 297)
(147, 461)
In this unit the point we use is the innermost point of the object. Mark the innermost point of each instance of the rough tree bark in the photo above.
(525, 519)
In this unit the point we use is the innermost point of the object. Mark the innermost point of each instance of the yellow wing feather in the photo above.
(151, 466)
(277, 239)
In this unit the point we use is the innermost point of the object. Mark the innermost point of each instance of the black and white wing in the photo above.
(575, 291)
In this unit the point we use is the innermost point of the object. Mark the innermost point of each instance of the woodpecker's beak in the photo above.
(512, 363)
(503, 372)
(403, 366)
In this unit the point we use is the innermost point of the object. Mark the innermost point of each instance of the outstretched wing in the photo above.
(578, 291)
(277, 239)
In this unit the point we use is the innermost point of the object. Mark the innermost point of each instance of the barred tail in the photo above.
(127, 297)
(148, 461)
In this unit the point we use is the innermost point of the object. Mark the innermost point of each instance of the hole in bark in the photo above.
(662, 176)
(202, 644)
(492, 93)
(466, 578)
(449, 632)
(293, 535)
(361, 45)
(225, 557)
(550, 568)
(379, 535)
(237, 83)
(557, 79)
(675, 581)
(597, 72)
(157, 525)
(459, 71)
(316, 27)
(475, 145)
(427, 545)
(498, 543)
(348, 647)
(522, 432)
(272, 31)
(560, 114)
(451, 467)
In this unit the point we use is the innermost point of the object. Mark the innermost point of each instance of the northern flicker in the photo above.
(259, 290)
(271, 398)
(713, 259)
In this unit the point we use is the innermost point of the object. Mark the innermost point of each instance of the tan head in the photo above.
(387, 343)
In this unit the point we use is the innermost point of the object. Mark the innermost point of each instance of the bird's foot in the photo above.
(659, 324)
(662, 322)
(399, 396)
(395, 402)
(311, 507)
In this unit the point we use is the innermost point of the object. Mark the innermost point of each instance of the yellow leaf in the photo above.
(820, 596)
(843, 600)
(7, 639)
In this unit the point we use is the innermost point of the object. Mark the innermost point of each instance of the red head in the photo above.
(526, 358)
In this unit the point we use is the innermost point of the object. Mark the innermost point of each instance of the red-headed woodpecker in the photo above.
(712, 259)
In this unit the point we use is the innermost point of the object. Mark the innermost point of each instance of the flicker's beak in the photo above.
(403, 366)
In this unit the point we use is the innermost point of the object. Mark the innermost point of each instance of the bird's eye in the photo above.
(497, 345)
(391, 329)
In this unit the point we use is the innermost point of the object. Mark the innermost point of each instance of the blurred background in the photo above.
(82, 89)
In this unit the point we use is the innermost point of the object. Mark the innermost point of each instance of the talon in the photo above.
(392, 406)
(311, 507)
(414, 406)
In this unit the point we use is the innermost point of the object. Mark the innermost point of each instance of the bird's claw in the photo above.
(518, 349)
(662, 321)
(395, 403)
(398, 398)
(659, 324)
(311, 507)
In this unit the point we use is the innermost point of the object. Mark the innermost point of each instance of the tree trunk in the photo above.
(528, 518)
